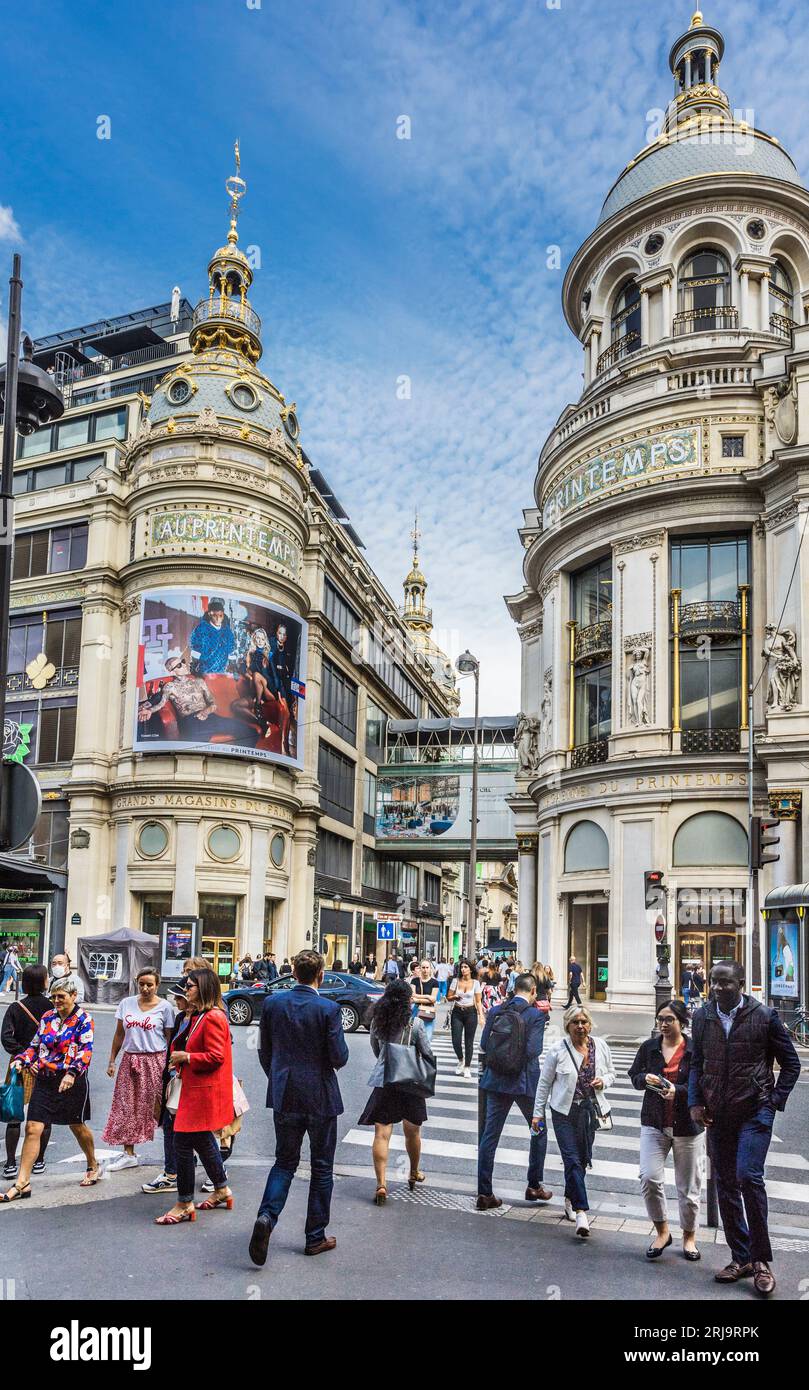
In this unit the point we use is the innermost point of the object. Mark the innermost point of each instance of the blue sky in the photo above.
(380, 257)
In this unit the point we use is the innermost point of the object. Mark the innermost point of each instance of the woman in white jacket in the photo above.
(576, 1070)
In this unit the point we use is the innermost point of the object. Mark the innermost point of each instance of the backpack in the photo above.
(507, 1042)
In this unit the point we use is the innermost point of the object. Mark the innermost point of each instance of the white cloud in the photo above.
(9, 229)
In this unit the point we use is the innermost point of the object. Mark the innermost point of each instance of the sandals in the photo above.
(169, 1220)
(22, 1193)
(211, 1203)
(92, 1176)
(380, 1196)
(414, 1178)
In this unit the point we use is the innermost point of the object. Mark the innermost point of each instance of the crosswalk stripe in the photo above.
(444, 1148)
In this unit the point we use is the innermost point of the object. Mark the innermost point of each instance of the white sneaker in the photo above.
(569, 1216)
(467, 1074)
(459, 1069)
(123, 1160)
(582, 1224)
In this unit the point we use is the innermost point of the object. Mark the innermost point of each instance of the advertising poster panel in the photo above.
(784, 960)
(438, 806)
(220, 672)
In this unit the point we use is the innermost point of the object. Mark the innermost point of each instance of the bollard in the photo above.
(481, 1096)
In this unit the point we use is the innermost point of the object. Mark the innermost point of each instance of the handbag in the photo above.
(241, 1104)
(12, 1101)
(601, 1107)
(175, 1086)
(406, 1068)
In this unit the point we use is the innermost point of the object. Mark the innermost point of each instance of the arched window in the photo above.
(704, 293)
(710, 840)
(782, 300)
(625, 321)
(586, 848)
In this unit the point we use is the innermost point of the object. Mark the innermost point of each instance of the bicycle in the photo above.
(799, 1028)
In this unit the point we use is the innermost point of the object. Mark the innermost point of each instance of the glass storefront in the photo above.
(710, 929)
(220, 917)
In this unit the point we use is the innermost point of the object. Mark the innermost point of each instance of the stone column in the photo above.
(120, 897)
(764, 303)
(185, 880)
(744, 298)
(588, 361)
(786, 805)
(644, 316)
(687, 71)
(665, 327)
(527, 899)
(301, 917)
(253, 940)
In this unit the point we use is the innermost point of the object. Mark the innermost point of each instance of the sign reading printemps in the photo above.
(649, 457)
(204, 529)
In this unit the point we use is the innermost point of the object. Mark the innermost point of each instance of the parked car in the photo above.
(353, 993)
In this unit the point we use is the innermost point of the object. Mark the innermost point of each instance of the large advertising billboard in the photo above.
(425, 807)
(220, 672)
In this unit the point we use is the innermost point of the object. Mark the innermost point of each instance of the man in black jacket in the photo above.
(732, 1090)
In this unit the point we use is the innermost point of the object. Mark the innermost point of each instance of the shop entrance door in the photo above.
(589, 942)
(700, 950)
(335, 948)
(24, 929)
(221, 952)
(600, 956)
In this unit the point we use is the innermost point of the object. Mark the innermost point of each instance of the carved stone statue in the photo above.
(781, 651)
(526, 738)
(546, 711)
(638, 686)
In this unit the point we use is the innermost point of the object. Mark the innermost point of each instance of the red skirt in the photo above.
(137, 1087)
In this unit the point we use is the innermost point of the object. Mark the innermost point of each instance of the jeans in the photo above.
(169, 1153)
(203, 1142)
(570, 1136)
(442, 988)
(463, 1023)
(738, 1150)
(689, 1169)
(497, 1110)
(8, 974)
(290, 1129)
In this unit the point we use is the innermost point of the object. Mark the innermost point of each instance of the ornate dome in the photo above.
(226, 382)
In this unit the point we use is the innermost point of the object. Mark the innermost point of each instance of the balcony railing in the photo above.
(716, 618)
(65, 678)
(233, 310)
(780, 324)
(590, 754)
(710, 741)
(104, 365)
(593, 642)
(629, 343)
(706, 320)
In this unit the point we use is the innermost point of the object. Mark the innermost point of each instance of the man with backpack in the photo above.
(512, 1044)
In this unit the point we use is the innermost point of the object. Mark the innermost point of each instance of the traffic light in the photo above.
(761, 841)
(653, 887)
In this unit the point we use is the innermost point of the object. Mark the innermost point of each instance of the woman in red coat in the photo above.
(205, 1070)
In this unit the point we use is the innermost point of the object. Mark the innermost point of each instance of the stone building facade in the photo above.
(664, 568)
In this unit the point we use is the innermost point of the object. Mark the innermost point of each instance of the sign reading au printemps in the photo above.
(205, 529)
(650, 456)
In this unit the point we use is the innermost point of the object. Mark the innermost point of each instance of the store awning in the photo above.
(789, 895)
(27, 873)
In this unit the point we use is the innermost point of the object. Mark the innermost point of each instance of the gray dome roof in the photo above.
(739, 153)
(213, 375)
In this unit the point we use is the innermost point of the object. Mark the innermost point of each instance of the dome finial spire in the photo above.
(415, 536)
(696, 19)
(235, 187)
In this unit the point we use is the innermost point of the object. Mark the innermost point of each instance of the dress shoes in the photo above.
(327, 1243)
(655, 1251)
(763, 1277)
(733, 1272)
(538, 1194)
(259, 1240)
(488, 1203)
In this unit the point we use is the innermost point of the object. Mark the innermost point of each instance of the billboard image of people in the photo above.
(220, 672)
(784, 960)
(408, 808)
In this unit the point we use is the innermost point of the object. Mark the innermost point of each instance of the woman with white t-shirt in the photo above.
(467, 1013)
(142, 1022)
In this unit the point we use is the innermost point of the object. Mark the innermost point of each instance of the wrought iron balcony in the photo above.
(621, 348)
(231, 310)
(780, 324)
(64, 678)
(706, 320)
(710, 741)
(715, 618)
(589, 754)
(593, 643)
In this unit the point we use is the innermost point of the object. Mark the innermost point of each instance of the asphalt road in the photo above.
(433, 1245)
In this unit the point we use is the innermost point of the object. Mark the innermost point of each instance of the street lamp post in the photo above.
(468, 664)
(30, 400)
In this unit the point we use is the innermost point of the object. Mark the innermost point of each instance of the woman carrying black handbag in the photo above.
(403, 1076)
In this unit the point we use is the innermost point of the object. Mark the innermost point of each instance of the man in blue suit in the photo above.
(301, 1045)
(513, 1088)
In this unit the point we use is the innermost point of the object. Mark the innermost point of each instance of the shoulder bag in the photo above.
(601, 1107)
(406, 1068)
